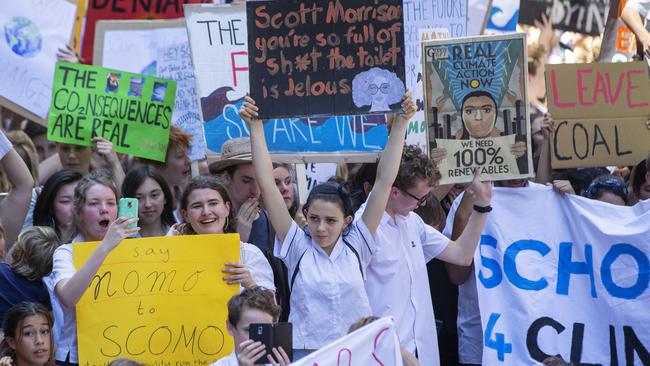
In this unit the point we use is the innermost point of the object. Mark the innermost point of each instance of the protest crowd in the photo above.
(474, 233)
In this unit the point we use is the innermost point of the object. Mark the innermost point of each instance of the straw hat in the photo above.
(233, 152)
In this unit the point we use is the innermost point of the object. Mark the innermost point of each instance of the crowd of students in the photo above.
(358, 248)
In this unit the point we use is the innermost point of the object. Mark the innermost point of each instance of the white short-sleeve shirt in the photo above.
(328, 293)
(397, 281)
(230, 360)
(259, 266)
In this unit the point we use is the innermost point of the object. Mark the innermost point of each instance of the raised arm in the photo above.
(275, 206)
(70, 290)
(13, 208)
(388, 166)
(633, 19)
(461, 250)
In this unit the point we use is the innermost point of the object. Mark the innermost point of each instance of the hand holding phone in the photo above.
(128, 207)
(272, 335)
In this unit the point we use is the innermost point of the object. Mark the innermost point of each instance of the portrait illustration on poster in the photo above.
(477, 110)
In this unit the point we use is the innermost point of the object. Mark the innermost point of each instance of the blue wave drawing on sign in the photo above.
(291, 135)
(23, 37)
(498, 15)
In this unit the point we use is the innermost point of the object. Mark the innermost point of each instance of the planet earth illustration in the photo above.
(23, 37)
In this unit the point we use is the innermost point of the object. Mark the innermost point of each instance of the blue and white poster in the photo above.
(218, 39)
(579, 290)
(503, 17)
(477, 109)
(32, 31)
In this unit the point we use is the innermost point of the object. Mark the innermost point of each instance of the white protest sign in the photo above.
(32, 30)
(374, 344)
(564, 275)
(157, 48)
(426, 14)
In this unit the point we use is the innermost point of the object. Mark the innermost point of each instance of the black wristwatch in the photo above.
(482, 209)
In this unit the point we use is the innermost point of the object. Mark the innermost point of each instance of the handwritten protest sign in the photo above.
(318, 58)
(126, 9)
(587, 17)
(157, 48)
(600, 112)
(618, 42)
(131, 110)
(33, 31)
(374, 344)
(422, 20)
(219, 47)
(579, 290)
(477, 109)
(158, 301)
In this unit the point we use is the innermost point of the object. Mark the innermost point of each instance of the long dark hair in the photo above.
(44, 207)
(136, 177)
(208, 182)
(13, 321)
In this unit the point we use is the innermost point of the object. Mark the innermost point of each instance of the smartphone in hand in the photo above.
(272, 335)
(128, 207)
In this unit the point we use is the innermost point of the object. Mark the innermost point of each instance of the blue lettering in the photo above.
(642, 280)
(510, 264)
(566, 267)
(495, 279)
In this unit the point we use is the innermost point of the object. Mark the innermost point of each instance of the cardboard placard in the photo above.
(618, 43)
(33, 31)
(219, 48)
(580, 16)
(126, 9)
(157, 299)
(325, 58)
(157, 48)
(133, 111)
(477, 109)
(600, 112)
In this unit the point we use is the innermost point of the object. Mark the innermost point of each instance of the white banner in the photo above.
(157, 48)
(564, 275)
(374, 344)
(32, 31)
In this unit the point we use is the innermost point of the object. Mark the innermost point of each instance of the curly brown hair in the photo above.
(415, 166)
(208, 182)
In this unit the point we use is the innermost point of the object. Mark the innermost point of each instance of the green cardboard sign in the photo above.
(133, 111)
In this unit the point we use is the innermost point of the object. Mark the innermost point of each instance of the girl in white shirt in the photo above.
(326, 262)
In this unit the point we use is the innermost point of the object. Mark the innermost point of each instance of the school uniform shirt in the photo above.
(260, 268)
(468, 322)
(15, 288)
(63, 268)
(230, 360)
(327, 294)
(397, 281)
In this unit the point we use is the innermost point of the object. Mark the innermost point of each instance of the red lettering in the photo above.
(375, 345)
(617, 93)
(631, 87)
(581, 88)
(235, 68)
(600, 87)
(556, 93)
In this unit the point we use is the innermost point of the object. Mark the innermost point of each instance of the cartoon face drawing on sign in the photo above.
(377, 88)
(479, 112)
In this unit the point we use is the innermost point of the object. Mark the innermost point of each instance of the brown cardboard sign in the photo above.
(600, 112)
(602, 90)
(599, 142)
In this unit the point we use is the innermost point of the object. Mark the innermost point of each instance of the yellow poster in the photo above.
(159, 301)
(78, 25)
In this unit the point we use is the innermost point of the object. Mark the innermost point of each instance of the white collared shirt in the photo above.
(397, 281)
(230, 360)
(328, 293)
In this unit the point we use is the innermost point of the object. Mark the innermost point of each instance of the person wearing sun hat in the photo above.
(235, 168)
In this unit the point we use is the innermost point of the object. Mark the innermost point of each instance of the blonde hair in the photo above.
(31, 255)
